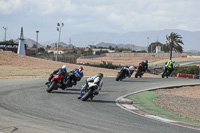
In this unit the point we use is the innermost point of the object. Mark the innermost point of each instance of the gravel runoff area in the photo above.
(183, 101)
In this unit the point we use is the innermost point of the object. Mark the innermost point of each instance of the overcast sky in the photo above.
(79, 16)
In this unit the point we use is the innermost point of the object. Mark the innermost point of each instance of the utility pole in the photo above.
(147, 44)
(59, 28)
(37, 37)
(5, 28)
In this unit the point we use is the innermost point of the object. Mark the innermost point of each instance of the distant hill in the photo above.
(190, 39)
(29, 42)
(193, 51)
(128, 46)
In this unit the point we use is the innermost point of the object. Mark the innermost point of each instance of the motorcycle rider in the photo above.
(169, 66)
(98, 80)
(79, 72)
(144, 65)
(61, 71)
(129, 70)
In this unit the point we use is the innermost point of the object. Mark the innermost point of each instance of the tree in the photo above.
(173, 43)
(7, 42)
(34, 46)
(152, 46)
(89, 51)
(41, 50)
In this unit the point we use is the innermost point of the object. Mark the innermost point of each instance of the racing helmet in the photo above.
(131, 67)
(80, 69)
(64, 67)
(100, 75)
(146, 61)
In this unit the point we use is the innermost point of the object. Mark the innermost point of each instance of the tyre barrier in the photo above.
(190, 76)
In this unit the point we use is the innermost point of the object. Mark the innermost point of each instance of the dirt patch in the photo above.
(14, 66)
(184, 101)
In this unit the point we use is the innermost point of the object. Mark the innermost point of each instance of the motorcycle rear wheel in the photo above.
(51, 86)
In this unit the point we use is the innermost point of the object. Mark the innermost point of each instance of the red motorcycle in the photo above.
(54, 84)
(139, 72)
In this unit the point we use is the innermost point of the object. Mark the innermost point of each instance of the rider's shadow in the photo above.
(65, 92)
(134, 81)
(73, 89)
(100, 101)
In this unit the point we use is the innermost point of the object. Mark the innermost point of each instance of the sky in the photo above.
(80, 16)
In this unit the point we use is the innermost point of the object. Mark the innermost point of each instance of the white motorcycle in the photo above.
(90, 90)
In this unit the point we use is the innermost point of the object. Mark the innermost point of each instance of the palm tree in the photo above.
(173, 43)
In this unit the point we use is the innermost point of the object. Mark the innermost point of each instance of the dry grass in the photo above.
(18, 66)
(119, 60)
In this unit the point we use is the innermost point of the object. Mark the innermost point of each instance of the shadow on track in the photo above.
(134, 81)
(65, 92)
(100, 101)
(73, 89)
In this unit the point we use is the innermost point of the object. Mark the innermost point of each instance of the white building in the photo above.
(158, 49)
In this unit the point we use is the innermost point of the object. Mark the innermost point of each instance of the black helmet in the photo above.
(146, 61)
(100, 75)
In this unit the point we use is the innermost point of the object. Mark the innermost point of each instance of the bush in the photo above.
(101, 52)
(108, 65)
(186, 70)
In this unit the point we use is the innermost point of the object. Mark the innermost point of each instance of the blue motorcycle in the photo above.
(122, 74)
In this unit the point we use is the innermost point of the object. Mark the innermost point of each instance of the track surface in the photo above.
(26, 107)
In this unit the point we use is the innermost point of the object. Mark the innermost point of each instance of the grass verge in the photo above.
(144, 101)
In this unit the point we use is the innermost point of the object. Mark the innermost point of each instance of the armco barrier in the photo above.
(191, 76)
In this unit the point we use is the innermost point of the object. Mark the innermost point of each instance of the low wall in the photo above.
(145, 54)
(190, 76)
(193, 56)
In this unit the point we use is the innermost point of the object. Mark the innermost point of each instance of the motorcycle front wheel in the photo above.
(87, 95)
(118, 77)
(137, 73)
(163, 74)
(51, 86)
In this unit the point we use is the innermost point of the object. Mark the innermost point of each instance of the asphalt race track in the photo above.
(26, 107)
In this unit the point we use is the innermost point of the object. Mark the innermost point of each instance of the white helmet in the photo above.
(64, 67)
(131, 67)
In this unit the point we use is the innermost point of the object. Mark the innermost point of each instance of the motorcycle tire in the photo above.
(68, 83)
(136, 74)
(118, 77)
(87, 95)
(162, 75)
(51, 87)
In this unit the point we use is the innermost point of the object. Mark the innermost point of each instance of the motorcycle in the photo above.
(71, 79)
(54, 84)
(122, 74)
(89, 91)
(139, 72)
(165, 72)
